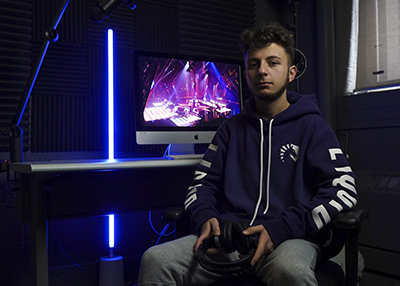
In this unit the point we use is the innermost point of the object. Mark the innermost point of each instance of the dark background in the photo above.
(65, 118)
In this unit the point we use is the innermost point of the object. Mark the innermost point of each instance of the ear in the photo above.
(292, 73)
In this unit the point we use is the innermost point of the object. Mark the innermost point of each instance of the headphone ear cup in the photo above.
(231, 239)
(243, 243)
(223, 267)
(225, 238)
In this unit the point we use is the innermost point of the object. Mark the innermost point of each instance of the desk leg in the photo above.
(39, 234)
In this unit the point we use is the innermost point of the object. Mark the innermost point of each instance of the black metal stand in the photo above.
(14, 131)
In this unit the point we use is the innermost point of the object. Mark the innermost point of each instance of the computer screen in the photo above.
(182, 100)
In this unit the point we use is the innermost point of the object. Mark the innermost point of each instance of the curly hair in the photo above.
(266, 34)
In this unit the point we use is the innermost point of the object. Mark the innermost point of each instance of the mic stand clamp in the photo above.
(15, 134)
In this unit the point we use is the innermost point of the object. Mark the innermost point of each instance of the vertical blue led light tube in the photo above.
(111, 241)
(111, 268)
(110, 57)
(110, 53)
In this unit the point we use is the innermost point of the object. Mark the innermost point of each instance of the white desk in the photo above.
(97, 165)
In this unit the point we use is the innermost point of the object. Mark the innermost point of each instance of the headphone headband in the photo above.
(231, 239)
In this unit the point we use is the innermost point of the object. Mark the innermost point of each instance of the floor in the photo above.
(374, 279)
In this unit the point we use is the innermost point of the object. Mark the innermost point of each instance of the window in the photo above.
(378, 44)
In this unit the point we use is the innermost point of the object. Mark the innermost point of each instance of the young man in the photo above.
(277, 166)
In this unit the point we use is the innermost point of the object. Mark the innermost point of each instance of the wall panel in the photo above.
(15, 61)
(213, 28)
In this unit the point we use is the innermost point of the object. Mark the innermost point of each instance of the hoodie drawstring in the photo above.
(260, 192)
(269, 163)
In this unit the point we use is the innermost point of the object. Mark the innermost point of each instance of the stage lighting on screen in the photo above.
(182, 100)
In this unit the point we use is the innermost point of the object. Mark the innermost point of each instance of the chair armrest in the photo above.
(347, 219)
(173, 214)
(350, 219)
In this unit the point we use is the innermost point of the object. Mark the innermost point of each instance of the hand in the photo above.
(207, 229)
(265, 244)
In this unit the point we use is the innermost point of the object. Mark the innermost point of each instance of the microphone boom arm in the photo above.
(14, 131)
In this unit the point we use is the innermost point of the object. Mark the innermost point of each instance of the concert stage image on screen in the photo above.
(187, 93)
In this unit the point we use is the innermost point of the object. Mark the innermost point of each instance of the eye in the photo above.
(252, 65)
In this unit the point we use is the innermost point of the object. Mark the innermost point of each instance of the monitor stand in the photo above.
(180, 149)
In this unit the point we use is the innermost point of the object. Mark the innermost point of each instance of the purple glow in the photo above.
(180, 93)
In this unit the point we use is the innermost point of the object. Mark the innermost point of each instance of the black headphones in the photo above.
(231, 239)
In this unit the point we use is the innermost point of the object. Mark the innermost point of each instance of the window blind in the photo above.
(378, 44)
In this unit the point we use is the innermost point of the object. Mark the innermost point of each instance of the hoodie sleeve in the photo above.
(325, 166)
(205, 191)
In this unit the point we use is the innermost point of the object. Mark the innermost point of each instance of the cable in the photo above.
(3, 188)
(9, 192)
(167, 151)
(163, 232)
(66, 256)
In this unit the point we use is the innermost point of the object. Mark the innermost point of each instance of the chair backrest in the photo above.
(343, 140)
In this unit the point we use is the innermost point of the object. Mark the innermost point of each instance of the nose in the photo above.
(262, 70)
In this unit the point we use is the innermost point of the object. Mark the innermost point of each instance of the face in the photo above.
(267, 72)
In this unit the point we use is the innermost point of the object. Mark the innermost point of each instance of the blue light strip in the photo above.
(111, 241)
(110, 94)
(110, 54)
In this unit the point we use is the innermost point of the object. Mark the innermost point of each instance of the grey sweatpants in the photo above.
(173, 263)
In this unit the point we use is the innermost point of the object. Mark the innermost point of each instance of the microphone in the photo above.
(104, 9)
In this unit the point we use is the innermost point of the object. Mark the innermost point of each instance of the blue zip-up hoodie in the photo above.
(287, 173)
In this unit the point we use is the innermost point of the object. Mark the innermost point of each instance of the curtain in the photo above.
(353, 49)
(346, 41)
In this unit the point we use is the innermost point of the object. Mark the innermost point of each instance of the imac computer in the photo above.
(182, 100)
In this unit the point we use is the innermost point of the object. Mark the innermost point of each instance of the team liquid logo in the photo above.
(289, 151)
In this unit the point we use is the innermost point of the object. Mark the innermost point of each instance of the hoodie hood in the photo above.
(300, 105)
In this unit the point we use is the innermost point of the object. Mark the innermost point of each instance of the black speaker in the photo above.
(231, 239)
